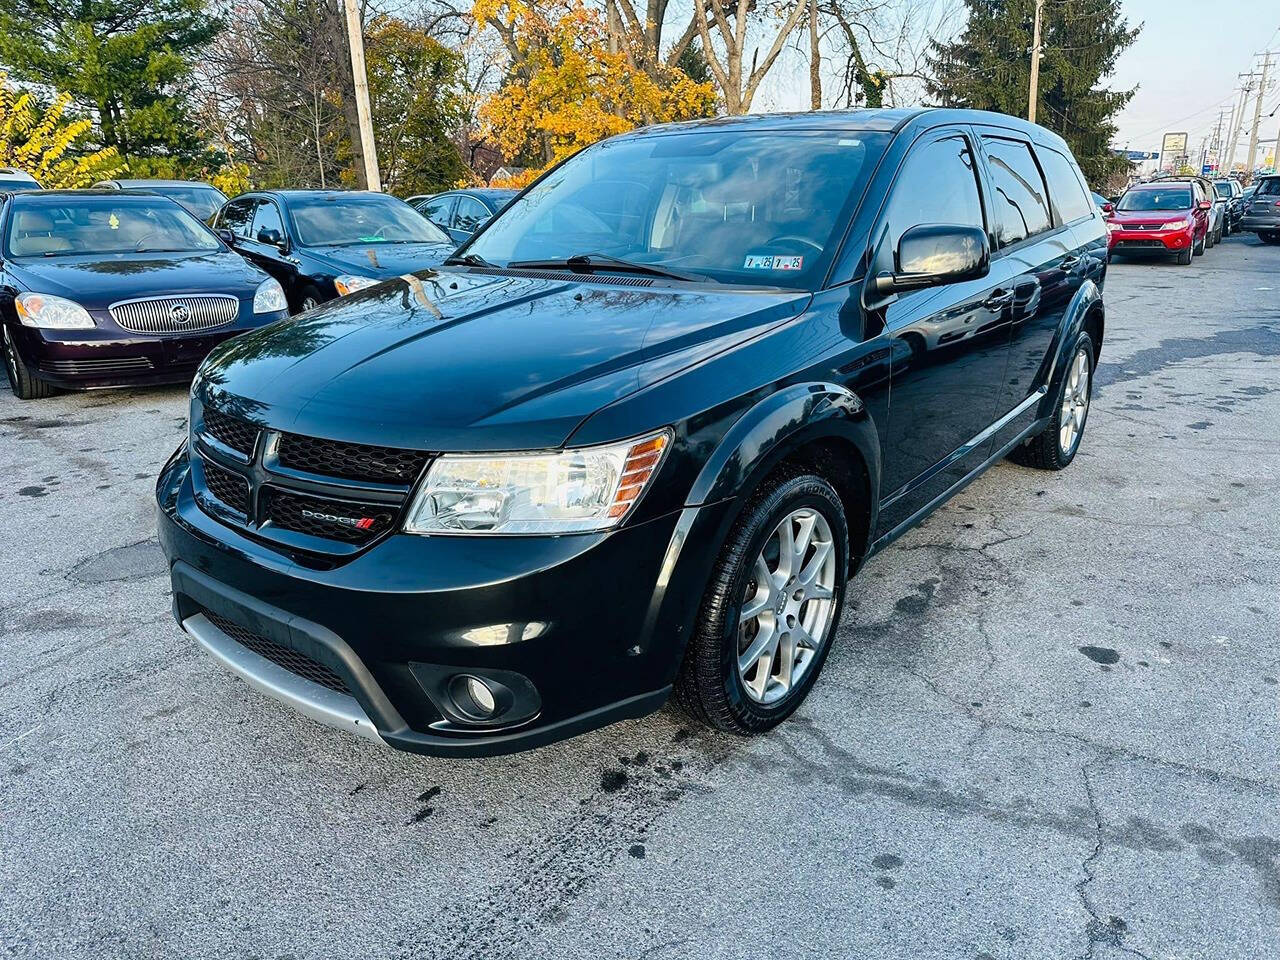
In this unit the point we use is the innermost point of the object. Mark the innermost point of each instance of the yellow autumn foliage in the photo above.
(40, 142)
(567, 89)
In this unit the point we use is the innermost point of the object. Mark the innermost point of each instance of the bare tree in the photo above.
(738, 83)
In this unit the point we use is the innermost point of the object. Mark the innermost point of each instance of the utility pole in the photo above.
(1217, 144)
(1239, 121)
(355, 36)
(1034, 93)
(1257, 114)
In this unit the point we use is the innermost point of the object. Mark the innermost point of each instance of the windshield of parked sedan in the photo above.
(201, 201)
(360, 219)
(74, 226)
(1170, 198)
(1224, 189)
(763, 208)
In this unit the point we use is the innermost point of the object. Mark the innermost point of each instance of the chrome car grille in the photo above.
(175, 314)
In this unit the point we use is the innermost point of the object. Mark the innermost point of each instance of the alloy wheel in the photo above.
(788, 606)
(1075, 403)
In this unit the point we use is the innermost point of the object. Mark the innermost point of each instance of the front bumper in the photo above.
(108, 356)
(1150, 241)
(581, 630)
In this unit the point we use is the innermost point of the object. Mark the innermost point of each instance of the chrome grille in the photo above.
(175, 314)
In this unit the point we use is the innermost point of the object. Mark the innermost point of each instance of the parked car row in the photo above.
(126, 283)
(1178, 217)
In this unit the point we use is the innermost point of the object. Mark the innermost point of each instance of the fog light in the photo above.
(473, 698)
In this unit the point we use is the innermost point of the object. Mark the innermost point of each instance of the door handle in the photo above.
(1069, 262)
(999, 299)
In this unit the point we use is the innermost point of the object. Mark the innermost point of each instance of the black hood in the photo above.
(462, 361)
(381, 260)
(96, 281)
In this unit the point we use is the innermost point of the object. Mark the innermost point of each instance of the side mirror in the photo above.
(932, 254)
(1108, 207)
(271, 237)
(1205, 204)
(226, 236)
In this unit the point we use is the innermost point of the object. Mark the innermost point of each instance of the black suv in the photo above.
(637, 435)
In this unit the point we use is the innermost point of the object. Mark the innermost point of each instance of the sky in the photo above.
(1184, 67)
(1185, 64)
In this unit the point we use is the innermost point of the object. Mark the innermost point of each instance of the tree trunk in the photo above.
(815, 59)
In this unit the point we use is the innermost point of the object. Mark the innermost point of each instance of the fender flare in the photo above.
(1087, 299)
(776, 427)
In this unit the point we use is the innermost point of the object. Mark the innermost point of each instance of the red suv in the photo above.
(1165, 217)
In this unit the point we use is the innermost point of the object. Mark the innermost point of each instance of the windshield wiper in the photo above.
(468, 260)
(602, 261)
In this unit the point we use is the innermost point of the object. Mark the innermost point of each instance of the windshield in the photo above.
(201, 200)
(736, 207)
(1170, 198)
(360, 219)
(1224, 189)
(17, 186)
(74, 226)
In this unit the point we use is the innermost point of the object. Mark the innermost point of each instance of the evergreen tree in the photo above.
(126, 61)
(988, 67)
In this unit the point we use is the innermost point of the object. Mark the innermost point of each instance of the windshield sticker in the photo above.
(754, 262)
(113, 222)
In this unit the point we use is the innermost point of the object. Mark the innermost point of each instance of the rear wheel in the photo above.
(771, 608)
(1269, 237)
(24, 383)
(1198, 248)
(1055, 446)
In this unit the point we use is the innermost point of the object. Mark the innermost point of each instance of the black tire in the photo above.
(709, 687)
(1269, 237)
(1044, 451)
(1198, 248)
(24, 383)
(1184, 258)
(1210, 239)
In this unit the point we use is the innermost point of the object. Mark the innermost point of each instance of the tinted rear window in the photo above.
(1021, 202)
(1224, 189)
(1269, 187)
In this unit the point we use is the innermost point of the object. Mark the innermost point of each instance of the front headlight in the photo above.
(269, 297)
(1176, 225)
(51, 313)
(574, 491)
(350, 283)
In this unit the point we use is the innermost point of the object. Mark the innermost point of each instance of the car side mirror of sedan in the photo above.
(271, 237)
(226, 236)
(1205, 204)
(1108, 207)
(932, 254)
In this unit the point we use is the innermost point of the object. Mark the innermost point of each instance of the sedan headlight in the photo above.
(269, 297)
(1176, 225)
(51, 313)
(573, 491)
(350, 283)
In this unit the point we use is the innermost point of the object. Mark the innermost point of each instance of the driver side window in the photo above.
(937, 184)
(267, 217)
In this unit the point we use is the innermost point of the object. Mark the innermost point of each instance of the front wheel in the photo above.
(1055, 446)
(25, 384)
(1184, 258)
(771, 608)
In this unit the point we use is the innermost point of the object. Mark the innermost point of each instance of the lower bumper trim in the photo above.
(307, 697)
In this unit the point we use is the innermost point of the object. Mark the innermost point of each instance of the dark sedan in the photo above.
(103, 289)
(321, 244)
(202, 199)
(460, 213)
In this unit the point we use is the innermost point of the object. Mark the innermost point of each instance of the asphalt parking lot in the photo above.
(1048, 729)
